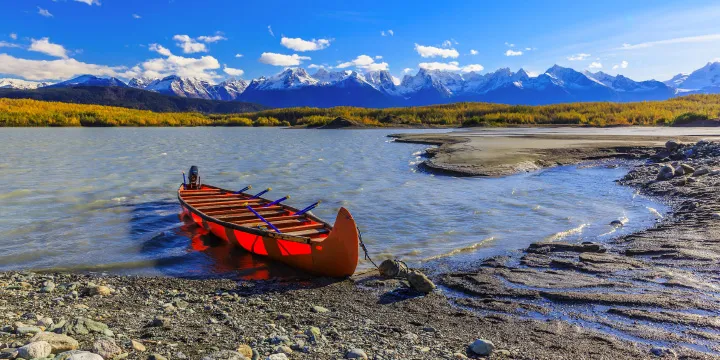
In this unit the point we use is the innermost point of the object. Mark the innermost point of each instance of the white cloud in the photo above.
(160, 49)
(508, 44)
(211, 39)
(431, 51)
(13, 36)
(396, 80)
(450, 66)
(46, 47)
(233, 72)
(473, 52)
(270, 31)
(364, 62)
(595, 65)
(44, 12)
(58, 69)
(136, 16)
(238, 55)
(682, 40)
(578, 57)
(624, 64)
(378, 57)
(392, 33)
(407, 70)
(513, 53)
(386, 33)
(189, 45)
(202, 68)
(281, 59)
(447, 43)
(299, 44)
(9, 45)
(90, 2)
(382, 33)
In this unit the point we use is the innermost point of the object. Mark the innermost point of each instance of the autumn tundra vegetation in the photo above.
(23, 112)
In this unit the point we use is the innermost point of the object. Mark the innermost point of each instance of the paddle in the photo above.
(307, 208)
(244, 189)
(184, 184)
(262, 218)
(277, 201)
(261, 193)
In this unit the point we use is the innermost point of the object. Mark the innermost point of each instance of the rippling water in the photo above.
(104, 199)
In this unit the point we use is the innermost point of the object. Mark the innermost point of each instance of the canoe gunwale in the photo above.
(256, 231)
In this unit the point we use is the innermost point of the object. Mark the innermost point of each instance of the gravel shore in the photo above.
(652, 294)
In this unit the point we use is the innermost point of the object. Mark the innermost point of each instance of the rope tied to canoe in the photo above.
(365, 250)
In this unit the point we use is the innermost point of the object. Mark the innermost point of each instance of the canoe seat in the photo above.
(307, 232)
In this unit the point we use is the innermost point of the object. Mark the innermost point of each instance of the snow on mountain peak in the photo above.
(21, 84)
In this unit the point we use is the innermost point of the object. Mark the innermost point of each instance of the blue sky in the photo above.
(54, 40)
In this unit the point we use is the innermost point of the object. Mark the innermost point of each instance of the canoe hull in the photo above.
(334, 256)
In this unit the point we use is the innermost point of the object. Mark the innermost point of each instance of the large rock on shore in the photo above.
(482, 347)
(666, 173)
(340, 123)
(58, 342)
(35, 350)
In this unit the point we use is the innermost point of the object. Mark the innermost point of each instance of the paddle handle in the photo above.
(277, 201)
(244, 189)
(261, 193)
(184, 182)
(263, 219)
(307, 208)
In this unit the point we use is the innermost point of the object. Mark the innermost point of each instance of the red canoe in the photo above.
(303, 241)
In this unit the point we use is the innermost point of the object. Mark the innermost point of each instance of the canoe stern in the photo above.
(337, 255)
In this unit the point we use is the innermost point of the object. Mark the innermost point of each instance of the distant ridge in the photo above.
(130, 98)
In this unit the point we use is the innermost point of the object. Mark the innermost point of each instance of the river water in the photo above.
(89, 199)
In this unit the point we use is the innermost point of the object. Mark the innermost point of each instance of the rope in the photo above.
(362, 244)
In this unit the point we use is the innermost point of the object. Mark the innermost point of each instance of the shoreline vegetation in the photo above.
(682, 111)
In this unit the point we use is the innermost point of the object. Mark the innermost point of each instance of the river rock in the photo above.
(319, 309)
(687, 168)
(24, 330)
(82, 326)
(701, 171)
(679, 171)
(225, 355)
(106, 348)
(420, 282)
(137, 346)
(98, 290)
(279, 356)
(482, 347)
(392, 269)
(46, 322)
(78, 355)
(245, 350)
(666, 173)
(356, 354)
(160, 321)
(58, 342)
(283, 349)
(617, 223)
(314, 335)
(35, 350)
(156, 356)
(672, 145)
(48, 287)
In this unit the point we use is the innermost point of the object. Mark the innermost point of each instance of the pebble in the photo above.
(420, 282)
(482, 347)
(225, 355)
(58, 342)
(35, 350)
(701, 171)
(24, 330)
(283, 349)
(98, 290)
(78, 355)
(356, 354)
(245, 350)
(716, 216)
(137, 346)
(106, 348)
(156, 356)
(160, 321)
(661, 352)
(280, 356)
(319, 309)
(48, 287)
(666, 173)
(671, 145)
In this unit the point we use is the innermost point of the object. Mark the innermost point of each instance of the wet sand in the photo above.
(499, 152)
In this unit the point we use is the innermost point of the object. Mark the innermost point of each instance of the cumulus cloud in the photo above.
(513, 53)
(595, 65)
(136, 16)
(238, 55)
(624, 64)
(189, 45)
(13, 36)
(299, 44)
(509, 44)
(58, 69)
(473, 52)
(407, 70)
(392, 33)
(378, 57)
(450, 66)
(90, 2)
(281, 59)
(387, 33)
(211, 39)
(270, 31)
(202, 68)
(578, 57)
(233, 72)
(364, 62)
(44, 12)
(431, 51)
(46, 47)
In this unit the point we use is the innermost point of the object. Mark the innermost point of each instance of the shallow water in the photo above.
(104, 199)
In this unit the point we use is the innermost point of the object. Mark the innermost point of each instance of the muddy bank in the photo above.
(489, 154)
(658, 287)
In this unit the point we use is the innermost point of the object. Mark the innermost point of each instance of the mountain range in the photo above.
(296, 87)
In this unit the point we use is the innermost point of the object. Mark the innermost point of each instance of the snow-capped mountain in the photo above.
(185, 87)
(90, 80)
(295, 87)
(21, 84)
(704, 80)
